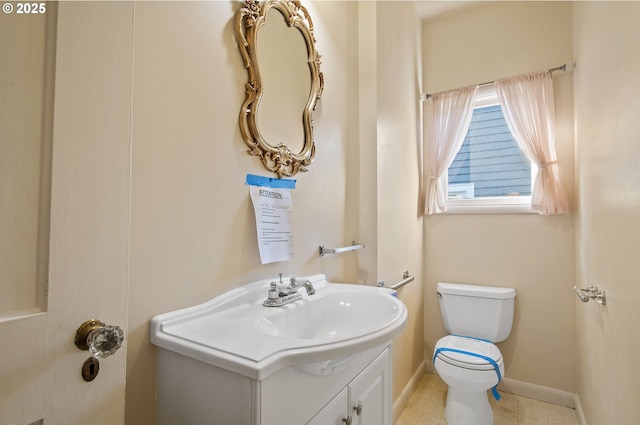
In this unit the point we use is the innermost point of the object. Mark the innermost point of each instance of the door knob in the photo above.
(101, 340)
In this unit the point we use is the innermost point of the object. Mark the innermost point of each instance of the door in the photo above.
(371, 393)
(335, 412)
(88, 238)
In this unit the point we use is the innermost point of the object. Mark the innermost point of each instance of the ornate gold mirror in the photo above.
(285, 83)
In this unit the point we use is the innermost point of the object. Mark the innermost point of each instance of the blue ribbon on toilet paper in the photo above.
(494, 390)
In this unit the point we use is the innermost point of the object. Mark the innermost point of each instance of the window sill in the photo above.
(489, 206)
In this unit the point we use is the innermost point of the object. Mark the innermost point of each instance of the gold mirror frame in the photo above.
(250, 18)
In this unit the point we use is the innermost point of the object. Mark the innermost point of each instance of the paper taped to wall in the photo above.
(272, 205)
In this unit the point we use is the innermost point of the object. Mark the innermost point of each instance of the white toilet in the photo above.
(467, 360)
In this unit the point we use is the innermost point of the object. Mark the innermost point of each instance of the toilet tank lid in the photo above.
(476, 290)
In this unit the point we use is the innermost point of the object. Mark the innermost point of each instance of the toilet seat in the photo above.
(481, 348)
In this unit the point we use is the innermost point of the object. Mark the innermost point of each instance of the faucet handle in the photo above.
(273, 291)
(280, 288)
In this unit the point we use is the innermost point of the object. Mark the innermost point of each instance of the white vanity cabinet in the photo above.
(192, 392)
(322, 360)
(367, 399)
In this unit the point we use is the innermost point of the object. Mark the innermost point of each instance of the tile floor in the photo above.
(426, 407)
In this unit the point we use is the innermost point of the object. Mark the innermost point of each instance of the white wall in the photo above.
(607, 108)
(533, 254)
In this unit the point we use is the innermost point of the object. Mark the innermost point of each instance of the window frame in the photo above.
(487, 96)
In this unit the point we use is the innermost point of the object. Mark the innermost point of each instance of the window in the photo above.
(490, 172)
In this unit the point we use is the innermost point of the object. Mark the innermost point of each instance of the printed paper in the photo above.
(272, 205)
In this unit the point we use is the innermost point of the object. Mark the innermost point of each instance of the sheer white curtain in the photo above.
(447, 120)
(527, 103)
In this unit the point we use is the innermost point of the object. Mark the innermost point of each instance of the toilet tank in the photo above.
(479, 311)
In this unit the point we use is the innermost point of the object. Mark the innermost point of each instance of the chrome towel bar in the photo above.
(406, 278)
(354, 245)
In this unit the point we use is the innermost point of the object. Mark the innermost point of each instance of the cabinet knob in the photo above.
(347, 420)
(358, 408)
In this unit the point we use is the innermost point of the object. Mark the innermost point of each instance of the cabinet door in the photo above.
(371, 393)
(334, 413)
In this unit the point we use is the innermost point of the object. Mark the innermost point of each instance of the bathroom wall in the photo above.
(193, 232)
(533, 254)
(400, 221)
(607, 54)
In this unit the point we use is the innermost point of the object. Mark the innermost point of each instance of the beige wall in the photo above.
(607, 55)
(193, 232)
(533, 254)
(400, 222)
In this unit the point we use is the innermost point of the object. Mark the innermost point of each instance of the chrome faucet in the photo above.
(281, 294)
(294, 285)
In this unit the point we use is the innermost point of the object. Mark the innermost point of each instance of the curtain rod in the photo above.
(425, 96)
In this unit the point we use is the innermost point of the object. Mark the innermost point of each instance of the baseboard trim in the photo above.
(539, 392)
(579, 412)
(525, 389)
(403, 399)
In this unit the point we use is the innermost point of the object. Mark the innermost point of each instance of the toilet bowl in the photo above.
(467, 360)
(469, 367)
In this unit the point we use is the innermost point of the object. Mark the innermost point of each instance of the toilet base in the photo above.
(464, 408)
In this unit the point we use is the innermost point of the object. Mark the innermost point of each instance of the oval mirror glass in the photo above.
(286, 82)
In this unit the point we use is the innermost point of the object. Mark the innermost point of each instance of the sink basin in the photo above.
(236, 332)
(335, 314)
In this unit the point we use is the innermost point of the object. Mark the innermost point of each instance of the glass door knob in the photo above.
(100, 339)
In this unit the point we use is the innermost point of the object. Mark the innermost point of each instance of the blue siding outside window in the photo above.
(489, 163)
